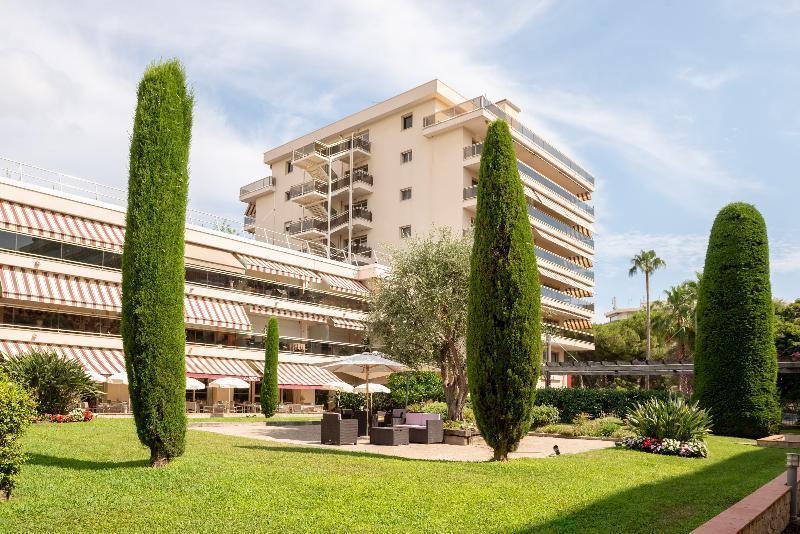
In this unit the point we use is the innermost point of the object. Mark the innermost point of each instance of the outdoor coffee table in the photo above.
(388, 435)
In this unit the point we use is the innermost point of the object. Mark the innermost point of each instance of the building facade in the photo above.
(398, 168)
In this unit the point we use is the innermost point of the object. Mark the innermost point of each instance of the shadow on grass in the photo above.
(82, 465)
(677, 504)
(334, 452)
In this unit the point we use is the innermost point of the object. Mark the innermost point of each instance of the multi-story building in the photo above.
(61, 240)
(400, 167)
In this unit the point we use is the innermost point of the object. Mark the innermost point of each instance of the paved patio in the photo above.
(309, 435)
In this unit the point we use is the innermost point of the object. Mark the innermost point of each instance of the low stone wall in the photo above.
(766, 510)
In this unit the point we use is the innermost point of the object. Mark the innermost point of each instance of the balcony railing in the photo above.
(562, 227)
(249, 220)
(306, 225)
(555, 330)
(574, 301)
(470, 192)
(362, 251)
(308, 187)
(343, 218)
(482, 102)
(268, 181)
(476, 149)
(330, 150)
(358, 176)
(558, 260)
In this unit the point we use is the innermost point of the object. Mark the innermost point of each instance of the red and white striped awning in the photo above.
(345, 285)
(289, 314)
(61, 227)
(206, 367)
(55, 288)
(350, 324)
(95, 360)
(213, 312)
(304, 376)
(280, 269)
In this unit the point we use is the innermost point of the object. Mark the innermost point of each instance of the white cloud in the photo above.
(682, 252)
(785, 257)
(708, 81)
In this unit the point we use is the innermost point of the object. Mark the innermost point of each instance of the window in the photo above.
(405, 157)
(405, 194)
(407, 121)
(289, 167)
(405, 232)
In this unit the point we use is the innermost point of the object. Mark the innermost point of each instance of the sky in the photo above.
(676, 107)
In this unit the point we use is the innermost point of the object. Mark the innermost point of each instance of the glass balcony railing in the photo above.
(306, 225)
(308, 187)
(562, 297)
(358, 176)
(555, 330)
(330, 150)
(476, 149)
(558, 260)
(470, 192)
(343, 218)
(560, 226)
(482, 102)
(268, 181)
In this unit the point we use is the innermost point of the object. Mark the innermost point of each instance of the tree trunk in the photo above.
(647, 326)
(454, 376)
(158, 458)
(500, 455)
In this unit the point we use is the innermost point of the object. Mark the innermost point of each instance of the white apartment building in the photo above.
(396, 169)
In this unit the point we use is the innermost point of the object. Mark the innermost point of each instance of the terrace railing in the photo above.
(563, 262)
(562, 227)
(567, 299)
(268, 181)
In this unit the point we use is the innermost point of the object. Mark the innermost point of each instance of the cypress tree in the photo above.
(735, 361)
(504, 347)
(269, 382)
(153, 331)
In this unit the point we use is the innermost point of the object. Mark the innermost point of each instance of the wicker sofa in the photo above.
(424, 427)
(337, 431)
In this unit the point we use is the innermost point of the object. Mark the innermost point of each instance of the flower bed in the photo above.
(75, 416)
(667, 446)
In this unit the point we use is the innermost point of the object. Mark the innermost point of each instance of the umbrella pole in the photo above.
(368, 400)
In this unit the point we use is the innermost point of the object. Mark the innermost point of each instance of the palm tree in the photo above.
(646, 262)
(677, 320)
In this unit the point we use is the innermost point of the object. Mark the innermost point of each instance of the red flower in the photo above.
(59, 418)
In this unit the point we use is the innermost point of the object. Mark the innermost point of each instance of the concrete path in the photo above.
(309, 435)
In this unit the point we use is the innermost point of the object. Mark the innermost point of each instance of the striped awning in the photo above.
(304, 376)
(206, 367)
(55, 288)
(61, 227)
(64, 290)
(100, 361)
(280, 269)
(578, 324)
(345, 285)
(289, 314)
(349, 324)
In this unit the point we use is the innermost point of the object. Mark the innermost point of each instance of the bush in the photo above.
(430, 407)
(597, 402)
(544, 414)
(269, 382)
(423, 386)
(358, 401)
(673, 418)
(17, 408)
(735, 361)
(153, 273)
(504, 345)
(57, 384)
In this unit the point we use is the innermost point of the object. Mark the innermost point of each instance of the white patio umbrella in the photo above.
(192, 384)
(338, 386)
(372, 388)
(118, 378)
(228, 382)
(365, 365)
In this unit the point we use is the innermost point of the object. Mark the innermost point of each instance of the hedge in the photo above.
(153, 273)
(17, 408)
(597, 402)
(735, 361)
(423, 386)
(504, 346)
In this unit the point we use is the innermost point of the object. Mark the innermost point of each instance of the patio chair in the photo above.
(424, 427)
(191, 407)
(337, 431)
(396, 417)
(362, 417)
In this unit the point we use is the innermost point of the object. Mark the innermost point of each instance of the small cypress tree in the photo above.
(735, 361)
(269, 382)
(504, 347)
(153, 330)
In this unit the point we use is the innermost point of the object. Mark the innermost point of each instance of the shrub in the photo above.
(153, 272)
(504, 346)
(597, 402)
(17, 408)
(423, 386)
(544, 414)
(673, 418)
(735, 360)
(269, 382)
(430, 407)
(57, 384)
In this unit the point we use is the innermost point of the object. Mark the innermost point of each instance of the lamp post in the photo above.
(792, 461)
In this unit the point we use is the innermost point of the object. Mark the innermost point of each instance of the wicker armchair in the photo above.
(337, 431)
(432, 433)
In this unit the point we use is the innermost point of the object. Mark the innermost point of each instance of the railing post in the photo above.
(792, 461)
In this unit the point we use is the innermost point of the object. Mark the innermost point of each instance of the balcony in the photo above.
(563, 262)
(474, 151)
(471, 192)
(362, 183)
(257, 188)
(308, 228)
(318, 153)
(561, 227)
(555, 330)
(484, 104)
(362, 220)
(249, 223)
(566, 299)
(307, 193)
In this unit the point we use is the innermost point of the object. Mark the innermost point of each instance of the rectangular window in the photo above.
(405, 194)
(289, 167)
(405, 157)
(405, 232)
(407, 121)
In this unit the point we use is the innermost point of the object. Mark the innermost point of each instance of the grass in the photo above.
(93, 477)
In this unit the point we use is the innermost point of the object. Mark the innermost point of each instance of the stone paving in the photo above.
(309, 435)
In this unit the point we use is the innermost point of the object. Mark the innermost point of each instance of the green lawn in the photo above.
(94, 477)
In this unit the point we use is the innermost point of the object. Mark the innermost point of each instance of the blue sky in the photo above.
(676, 107)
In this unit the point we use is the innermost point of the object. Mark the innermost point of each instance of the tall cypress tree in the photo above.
(504, 347)
(735, 360)
(269, 382)
(153, 331)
